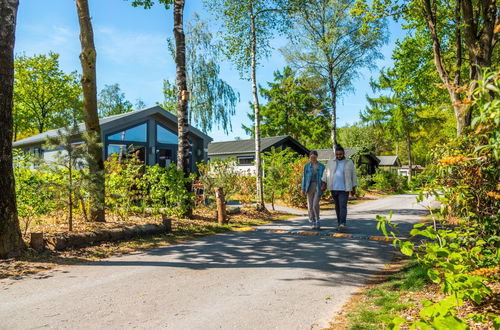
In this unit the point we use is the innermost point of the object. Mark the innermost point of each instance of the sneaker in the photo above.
(318, 226)
(341, 227)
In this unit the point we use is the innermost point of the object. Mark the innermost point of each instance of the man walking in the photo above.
(340, 178)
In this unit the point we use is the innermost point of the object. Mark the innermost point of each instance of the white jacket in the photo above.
(350, 177)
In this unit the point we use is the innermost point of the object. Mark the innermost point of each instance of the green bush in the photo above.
(276, 166)
(293, 194)
(220, 173)
(388, 181)
(35, 197)
(125, 187)
(167, 192)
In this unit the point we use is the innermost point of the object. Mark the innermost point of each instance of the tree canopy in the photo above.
(45, 97)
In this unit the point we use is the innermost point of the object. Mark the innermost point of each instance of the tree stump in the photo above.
(221, 205)
(167, 222)
(37, 242)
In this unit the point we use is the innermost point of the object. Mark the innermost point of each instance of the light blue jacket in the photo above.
(307, 176)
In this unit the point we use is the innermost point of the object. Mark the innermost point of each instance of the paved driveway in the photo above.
(237, 280)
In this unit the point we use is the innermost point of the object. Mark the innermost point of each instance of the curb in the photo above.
(317, 233)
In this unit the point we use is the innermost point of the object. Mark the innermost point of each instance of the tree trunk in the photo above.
(89, 86)
(182, 94)
(256, 108)
(221, 205)
(408, 150)
(11, 242)
(479, 43)
(70, 197)
(333, 100)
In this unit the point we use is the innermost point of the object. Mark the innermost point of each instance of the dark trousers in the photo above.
(340, 199)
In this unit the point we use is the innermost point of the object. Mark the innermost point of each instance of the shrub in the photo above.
(124, 186)
(167, 192)
(246, 189)
(35, 198)
(276, 165)
(388, 181)
(222, 173)
(293, 194)
(467, 170)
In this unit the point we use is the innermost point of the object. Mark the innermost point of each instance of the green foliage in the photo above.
(212, 100)
(236, 17)
(449, 257)
(467, 169)
(363, 137)
(246, 189)
(68, 163)
(277, 168)
(293, 108)
(167, 193)
(125, 186)
(466, 176)
(220, 173)
(388, 181)
(44, 96)
(293, 194)
(112, 101)
(35, 197)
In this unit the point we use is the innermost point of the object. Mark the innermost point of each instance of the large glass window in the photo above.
(165, 136)
(126, 151)
(137, 134)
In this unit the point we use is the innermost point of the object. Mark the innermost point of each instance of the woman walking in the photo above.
(311, 186)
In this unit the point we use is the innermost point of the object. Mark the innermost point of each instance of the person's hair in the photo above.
(313, 152)
(339, 148)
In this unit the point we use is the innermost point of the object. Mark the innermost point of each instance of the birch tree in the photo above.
(327, 41)
(247, 30)
(11, 242)
(213, 100)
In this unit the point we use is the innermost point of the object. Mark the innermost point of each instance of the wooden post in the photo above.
(221, 205)
(37, 242)
(167, 222)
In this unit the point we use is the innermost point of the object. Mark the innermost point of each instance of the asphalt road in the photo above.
(237, 280)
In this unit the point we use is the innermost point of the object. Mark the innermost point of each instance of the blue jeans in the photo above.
(340, 199)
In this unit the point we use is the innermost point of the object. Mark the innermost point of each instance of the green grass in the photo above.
(384, 301)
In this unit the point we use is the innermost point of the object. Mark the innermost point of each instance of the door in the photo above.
(166, 156)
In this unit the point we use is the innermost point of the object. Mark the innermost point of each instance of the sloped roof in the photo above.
(41, 138)
(326, 154)
(388, 160)
(246, 146)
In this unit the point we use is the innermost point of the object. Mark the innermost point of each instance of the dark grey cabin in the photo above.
(150, 132)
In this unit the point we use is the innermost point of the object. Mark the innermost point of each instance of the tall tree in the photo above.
(408, 108)
(451, 28)
(330, 43)
(11, 242)
(180, 77)
(91, 117)
(112, 101)
(44, 96)
(180, 80)
(213, 101)
(293, 108)
(248, 28)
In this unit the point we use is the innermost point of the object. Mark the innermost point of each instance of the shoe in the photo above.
(341, 227)
(318, 226)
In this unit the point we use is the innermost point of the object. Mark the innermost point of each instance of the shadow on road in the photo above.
(334, 257)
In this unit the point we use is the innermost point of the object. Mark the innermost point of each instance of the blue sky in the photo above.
(132, 51)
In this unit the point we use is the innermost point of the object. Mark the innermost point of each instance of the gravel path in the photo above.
(237, 280)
